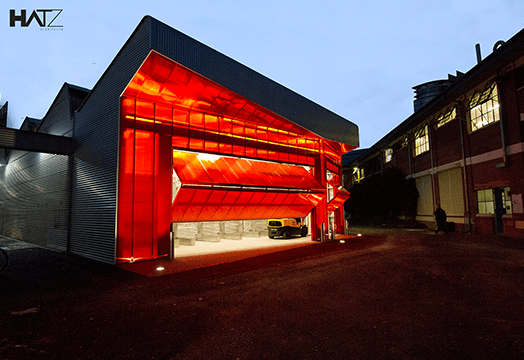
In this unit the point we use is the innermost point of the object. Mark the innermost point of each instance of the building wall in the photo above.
(460, 162)
(34, 187)
(446, 144)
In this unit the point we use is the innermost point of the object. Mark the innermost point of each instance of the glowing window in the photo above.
(358, 174)
(388, 154)
(484, 108)
(485, 201)
(404, 142)
(422, 141)
(447, 116)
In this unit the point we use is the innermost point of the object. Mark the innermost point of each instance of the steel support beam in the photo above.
(37, 142)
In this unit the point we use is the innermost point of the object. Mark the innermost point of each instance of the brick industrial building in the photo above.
(463, 145)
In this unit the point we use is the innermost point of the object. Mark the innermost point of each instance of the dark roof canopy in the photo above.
(151, 34)
(250, 84)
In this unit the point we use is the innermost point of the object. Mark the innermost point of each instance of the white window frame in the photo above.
(447, 116)
(388, 155)
(422, 141)
(484, 108)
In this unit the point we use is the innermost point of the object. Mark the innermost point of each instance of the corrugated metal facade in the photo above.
(34, 198)
(96, 133)
(34, 187)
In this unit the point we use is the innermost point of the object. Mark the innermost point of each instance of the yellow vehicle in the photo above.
(286, 227)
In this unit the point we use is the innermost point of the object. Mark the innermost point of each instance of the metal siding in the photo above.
(34, 198)
(251, 84)
(58, 121)
(34, 187)
(96, 134)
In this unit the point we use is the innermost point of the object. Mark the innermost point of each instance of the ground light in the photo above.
(160, 268)
(342, 242)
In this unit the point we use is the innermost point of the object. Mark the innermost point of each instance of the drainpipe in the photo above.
(432, 154)
(409, 157)
(382, 162)
(502, 135)
(71, 168)
(465, 179)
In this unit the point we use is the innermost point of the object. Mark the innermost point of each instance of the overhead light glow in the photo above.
(208, 157)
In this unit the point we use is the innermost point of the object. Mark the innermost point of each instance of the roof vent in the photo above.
(424, 93)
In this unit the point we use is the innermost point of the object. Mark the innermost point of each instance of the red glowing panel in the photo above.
(341, 196)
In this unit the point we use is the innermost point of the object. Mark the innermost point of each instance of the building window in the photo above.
(358, 174)
(422, 141)
(447, 116)
(506, 200)
(484, 108)
(404, 142)
(388, 155)
(486, 200)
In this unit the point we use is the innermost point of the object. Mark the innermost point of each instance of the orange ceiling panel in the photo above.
(226, 188)
(212, 204)
(204, 169)
(162, 80)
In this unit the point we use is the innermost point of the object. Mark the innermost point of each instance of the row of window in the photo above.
(483, 110)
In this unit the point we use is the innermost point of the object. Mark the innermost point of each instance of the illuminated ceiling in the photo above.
(162, 80)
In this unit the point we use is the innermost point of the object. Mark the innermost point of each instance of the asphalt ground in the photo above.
(384, 295)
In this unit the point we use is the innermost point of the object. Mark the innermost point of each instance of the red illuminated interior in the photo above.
(227, 188)
(234, 159)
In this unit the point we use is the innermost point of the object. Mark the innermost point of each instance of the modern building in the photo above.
(463, 145)
(172, 133)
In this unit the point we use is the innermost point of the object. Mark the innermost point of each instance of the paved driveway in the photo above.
(393, 295)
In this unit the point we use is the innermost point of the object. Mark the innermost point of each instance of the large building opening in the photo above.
(192, 151)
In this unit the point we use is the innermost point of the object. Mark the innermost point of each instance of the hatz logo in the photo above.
(46, 18)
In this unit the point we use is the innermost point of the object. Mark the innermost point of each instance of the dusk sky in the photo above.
(359, 59)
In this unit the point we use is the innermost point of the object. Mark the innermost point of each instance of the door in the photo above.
(500, 208)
